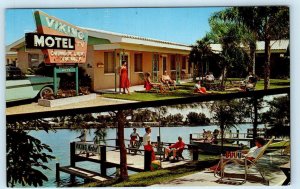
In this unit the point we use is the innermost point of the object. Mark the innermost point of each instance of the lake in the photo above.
(60, 141)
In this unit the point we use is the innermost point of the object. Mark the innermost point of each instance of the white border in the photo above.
(294, 45)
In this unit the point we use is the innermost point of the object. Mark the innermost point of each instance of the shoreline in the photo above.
(109, 127)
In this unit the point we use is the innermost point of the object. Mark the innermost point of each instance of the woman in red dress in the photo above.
(124, 81)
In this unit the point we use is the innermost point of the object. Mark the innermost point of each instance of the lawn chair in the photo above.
(246, 163)
(135, 147)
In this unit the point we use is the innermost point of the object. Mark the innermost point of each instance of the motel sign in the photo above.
(60, 42)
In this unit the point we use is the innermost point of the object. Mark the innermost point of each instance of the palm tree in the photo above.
(227, 114)
(200, 53)
(266, 23)
(233, 58)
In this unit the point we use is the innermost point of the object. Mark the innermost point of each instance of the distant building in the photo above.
(279, 53)
(11, 58)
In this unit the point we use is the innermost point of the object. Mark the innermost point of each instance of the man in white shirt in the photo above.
(255, 151)
(250, 155)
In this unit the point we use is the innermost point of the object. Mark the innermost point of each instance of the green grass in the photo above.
(160, 176)
(281, 144)
(149, 96)
(186, 90)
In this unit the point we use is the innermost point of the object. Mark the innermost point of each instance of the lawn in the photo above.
(186, 90)
(159, 176)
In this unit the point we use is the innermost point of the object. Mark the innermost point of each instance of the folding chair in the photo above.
(244, 161)
(135, 147)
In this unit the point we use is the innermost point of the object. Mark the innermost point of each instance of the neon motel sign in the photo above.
(60, 42)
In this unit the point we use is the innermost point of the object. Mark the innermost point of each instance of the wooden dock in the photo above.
(106, 157)
(83, 173)
(134, 162)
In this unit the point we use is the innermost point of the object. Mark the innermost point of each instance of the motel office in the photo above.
(106, 50)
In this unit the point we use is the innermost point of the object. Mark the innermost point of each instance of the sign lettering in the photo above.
(89, 148)
(43, 41)
(60, 49)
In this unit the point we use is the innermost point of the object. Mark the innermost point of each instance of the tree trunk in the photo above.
(223, 76)
(252, 57)
(123, 159)
(222, 137)
(267, 57)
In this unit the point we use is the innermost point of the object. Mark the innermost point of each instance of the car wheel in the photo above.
(46, 92)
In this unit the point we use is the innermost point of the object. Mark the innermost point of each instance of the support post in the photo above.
(72, 159)
(195, 154)
(191, 137)
(116, 70)
(76, 79)
(255, 122)
(55, 83)
(103, 160)
(177, 69)
(57, 175)
(147, 160)
(72, 154)
(238, 136)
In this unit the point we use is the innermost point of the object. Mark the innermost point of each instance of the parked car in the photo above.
(20, 86)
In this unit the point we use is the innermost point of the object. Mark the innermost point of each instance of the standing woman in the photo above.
(124, 81)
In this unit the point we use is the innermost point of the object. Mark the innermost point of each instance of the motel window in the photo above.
(183, 63)
(173, 62)
(138, 62)
(109, 62)
(156, 62)
(33, 60)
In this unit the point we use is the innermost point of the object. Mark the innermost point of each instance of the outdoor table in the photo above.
(286, 169)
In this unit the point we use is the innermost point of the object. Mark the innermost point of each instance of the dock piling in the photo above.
(72, 159)
(103, 160)
(57, 174)
(147, 160)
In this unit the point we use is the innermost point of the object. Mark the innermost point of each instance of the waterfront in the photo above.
(59, 142)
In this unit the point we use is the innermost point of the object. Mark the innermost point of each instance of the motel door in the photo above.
(164, 64)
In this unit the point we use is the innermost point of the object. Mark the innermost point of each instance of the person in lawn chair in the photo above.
(133, 137)
(175, 150)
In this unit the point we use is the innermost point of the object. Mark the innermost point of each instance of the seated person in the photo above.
(215, 136)
(209, 77)
(199, 89)
(149, 84)
(133, 137)
(250, 155)
(166, 79)
(250, 84)
(175, 148)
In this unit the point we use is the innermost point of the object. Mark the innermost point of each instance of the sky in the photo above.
(181, 25)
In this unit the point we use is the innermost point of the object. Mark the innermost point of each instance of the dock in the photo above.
(107, 157)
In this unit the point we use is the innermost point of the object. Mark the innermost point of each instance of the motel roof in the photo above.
(117, 38)
(279, 46)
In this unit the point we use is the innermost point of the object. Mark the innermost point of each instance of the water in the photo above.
(60, 144)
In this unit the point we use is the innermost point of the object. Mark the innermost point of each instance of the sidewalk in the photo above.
(34, 107)
(269, 164)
